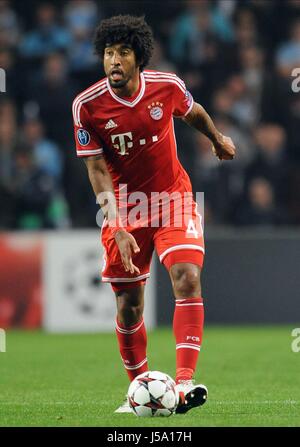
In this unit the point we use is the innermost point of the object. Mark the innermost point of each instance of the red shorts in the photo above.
(178, 241)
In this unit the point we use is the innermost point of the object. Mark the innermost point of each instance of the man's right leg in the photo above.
(129, 291)
(130, 328)
(131, 331)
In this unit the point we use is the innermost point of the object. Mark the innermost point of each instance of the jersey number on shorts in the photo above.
(191, 229)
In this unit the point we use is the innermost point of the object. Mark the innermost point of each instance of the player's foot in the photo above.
(190, 395)
(124, 408)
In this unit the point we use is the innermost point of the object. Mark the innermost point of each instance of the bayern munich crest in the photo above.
(156, 111)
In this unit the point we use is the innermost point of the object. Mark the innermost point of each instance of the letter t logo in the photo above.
(122, 146)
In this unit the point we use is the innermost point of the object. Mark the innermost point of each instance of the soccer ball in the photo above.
(153, 393)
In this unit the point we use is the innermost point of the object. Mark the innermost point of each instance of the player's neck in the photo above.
(130, 88)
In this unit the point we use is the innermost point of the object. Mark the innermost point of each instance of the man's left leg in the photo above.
(187, 324)
(188, 317)
(180, 247)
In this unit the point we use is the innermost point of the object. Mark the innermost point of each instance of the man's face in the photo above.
(119, 64)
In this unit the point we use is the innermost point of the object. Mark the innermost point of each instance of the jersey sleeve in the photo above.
(182, 99)
(88, 142)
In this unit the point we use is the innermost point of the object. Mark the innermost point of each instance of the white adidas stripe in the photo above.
(98, 150)
(89, 151)
(182, 300)
(190, 108)
(129, 331)
(88, 91)
(136, 278)
(135, 366)
(190, 304)
(84, 94)
(188, 346)
(84, 99)
(148, 76)
(173, 81)
(180, 247)
(88, 99)
(165, 75)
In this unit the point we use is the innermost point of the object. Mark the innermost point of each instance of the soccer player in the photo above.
(124, 132)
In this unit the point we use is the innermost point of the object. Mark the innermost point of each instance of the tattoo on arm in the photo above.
(94, 158)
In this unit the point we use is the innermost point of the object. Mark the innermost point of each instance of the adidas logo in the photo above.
(110, 124)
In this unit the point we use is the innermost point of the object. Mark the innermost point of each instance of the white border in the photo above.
(181, 247)
(137, 278)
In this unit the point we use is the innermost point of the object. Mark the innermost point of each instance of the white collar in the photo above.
(123, 101)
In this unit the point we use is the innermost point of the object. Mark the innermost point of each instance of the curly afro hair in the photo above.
(127, 29)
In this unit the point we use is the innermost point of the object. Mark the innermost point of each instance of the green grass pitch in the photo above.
(77, 380)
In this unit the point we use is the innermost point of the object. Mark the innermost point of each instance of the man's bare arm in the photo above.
(198, 118)
(102, 184)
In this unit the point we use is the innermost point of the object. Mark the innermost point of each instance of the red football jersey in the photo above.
(136, 134)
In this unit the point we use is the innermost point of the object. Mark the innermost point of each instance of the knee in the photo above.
(129, 312)
(186, 281)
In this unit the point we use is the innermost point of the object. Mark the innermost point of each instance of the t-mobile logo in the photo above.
(192, 337)
(124, 142)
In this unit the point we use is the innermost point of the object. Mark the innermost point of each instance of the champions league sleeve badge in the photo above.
(188, 98)
(83, 137)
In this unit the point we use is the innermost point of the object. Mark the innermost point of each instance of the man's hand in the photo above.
(127, 247)
(224, 148)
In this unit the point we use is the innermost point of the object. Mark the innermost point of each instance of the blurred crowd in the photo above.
(236, 57)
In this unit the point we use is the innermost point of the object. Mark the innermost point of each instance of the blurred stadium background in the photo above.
(236, 58)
